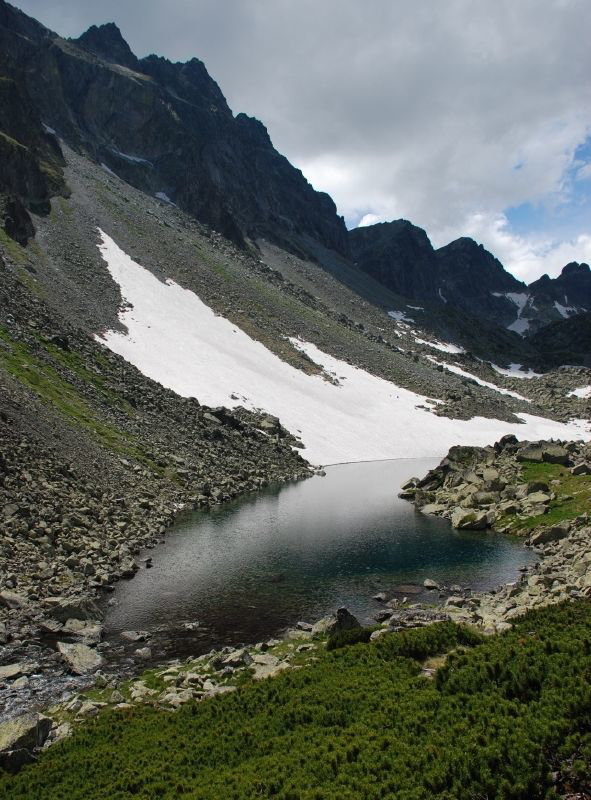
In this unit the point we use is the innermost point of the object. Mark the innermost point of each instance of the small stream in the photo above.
(250, 568)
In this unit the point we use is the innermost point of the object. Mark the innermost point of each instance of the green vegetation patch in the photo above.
(12, 249)
(573, 496)
(17, 359)
(501, 717)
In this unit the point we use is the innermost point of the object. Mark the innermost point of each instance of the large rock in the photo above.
(464, 519)
(343, 620)
(66, 608)
(80, 658)
(531, 452)
(12, 600)
(552, 534)
(11, 671)
(525, 489)
(20, 737)
(237, 658)
(543, 451)
(538, 498)
(555, 454)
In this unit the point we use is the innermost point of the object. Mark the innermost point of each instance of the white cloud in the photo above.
(584, 173)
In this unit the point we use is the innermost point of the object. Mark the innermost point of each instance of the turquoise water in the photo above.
(254, 566)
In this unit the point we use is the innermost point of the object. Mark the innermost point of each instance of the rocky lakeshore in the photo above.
(562, 573)
(538, 490)
(167, 687)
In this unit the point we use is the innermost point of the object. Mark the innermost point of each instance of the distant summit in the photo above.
(464, 275)
(106, 42)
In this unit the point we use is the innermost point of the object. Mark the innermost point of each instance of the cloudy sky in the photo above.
(468, 117)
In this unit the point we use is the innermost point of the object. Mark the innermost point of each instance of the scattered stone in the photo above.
(335, 623)
(11, 671)
(464, 519)
(80, 658)
(135, 636)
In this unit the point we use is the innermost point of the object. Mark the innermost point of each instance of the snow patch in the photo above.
(441, 295)
(493, 386)
(49, 129)
(564, 311)
(399, 316)
(108, 169)
(520, 326)
(583, 392)
(415, 308)
(516, 371)
(520, 300)
(130, 158)
(165, 198)
(177, 340)
(445, 347)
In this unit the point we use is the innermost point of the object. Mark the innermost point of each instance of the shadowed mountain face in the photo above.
(165, 128)
(567, 341)
(571, 290)
(465, 276)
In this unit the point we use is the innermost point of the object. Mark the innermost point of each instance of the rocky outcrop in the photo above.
(30, 159)
(20, 738)
(167, 129)
(486, 484)
(478, 488)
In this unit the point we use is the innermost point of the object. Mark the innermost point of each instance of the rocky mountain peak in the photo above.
(107, 42)
(571, 289)
(466, 260)
(253, 130)
(574, 268)
(399, 255)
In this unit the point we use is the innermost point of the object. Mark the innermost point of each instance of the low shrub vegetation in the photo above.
(505, 717)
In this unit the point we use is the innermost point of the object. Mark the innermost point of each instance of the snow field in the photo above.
(177, 340)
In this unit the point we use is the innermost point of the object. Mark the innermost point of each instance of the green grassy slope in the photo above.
(506, 717)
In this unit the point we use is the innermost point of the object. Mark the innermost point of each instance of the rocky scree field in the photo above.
(95, 463)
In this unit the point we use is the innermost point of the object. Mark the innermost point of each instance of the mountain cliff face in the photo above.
(465, 276)
(30, 158)
(399, 255)
(167, 129)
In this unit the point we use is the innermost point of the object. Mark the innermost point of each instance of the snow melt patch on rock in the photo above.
(493, 386)
(177, 340)
(583, 392)
(516, 371)
(444, 347)
(400, 316)
(521, 300)
(164, 197)
(564, 311)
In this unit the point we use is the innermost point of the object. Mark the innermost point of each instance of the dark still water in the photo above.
(259, 564)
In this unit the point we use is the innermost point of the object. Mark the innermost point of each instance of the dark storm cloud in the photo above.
(446, 113)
